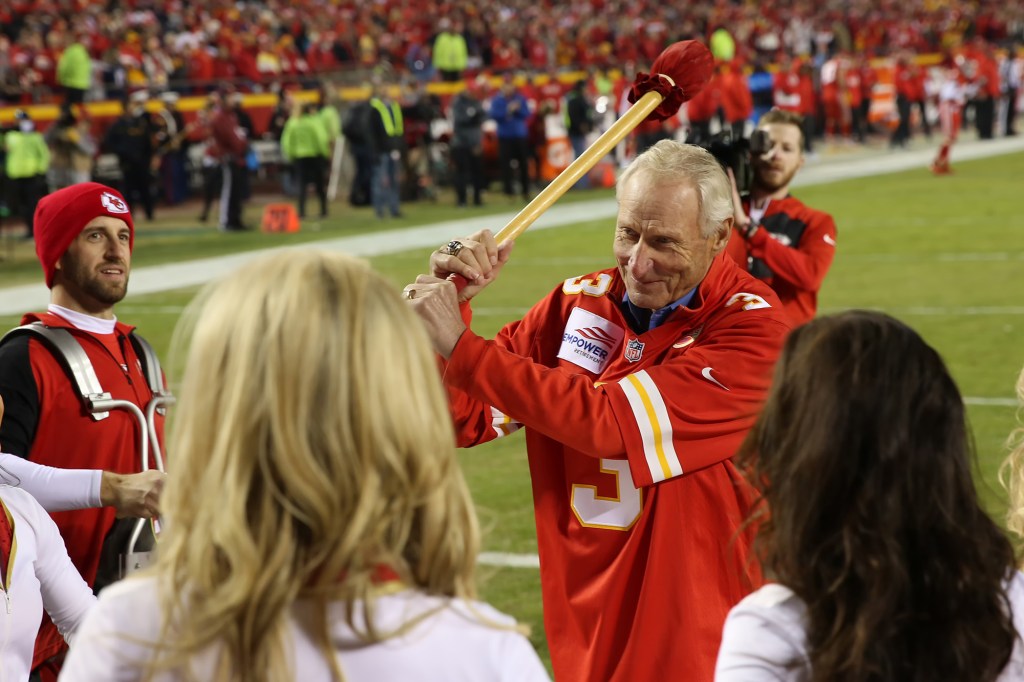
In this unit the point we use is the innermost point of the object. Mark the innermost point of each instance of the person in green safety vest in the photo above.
(28, 159)
(450, 52)
(74, 69)
(304, 143)
(723, 46)
(387, 133)
(329, 116)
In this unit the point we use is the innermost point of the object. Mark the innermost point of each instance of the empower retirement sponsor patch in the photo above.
(589, 340)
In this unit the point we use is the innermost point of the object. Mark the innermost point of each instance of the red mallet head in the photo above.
(679, 73)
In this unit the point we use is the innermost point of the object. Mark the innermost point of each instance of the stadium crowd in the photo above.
(188, 46)
(933, 66)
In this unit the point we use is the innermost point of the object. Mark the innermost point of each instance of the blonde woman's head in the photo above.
(312, 447)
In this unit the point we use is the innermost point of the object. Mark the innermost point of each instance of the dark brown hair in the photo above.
(868, 511)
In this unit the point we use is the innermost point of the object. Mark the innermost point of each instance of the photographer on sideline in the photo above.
(776, 237)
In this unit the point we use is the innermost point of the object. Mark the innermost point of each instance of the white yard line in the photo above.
(953, 311)
(904, 258)
(506, 560)
(991, 402)
(158, 278)
(958, 311)
(170, 276)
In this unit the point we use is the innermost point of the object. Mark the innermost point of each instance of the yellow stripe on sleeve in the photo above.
(653, 422)
(502, 424)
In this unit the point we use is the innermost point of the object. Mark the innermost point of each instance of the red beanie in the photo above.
(61, 216)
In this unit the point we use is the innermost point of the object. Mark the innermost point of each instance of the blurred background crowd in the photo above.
(127, 91)
(193, 46)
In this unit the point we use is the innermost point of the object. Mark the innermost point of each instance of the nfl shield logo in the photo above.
(634, 349)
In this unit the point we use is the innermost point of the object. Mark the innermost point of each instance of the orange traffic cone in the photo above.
(280, 218)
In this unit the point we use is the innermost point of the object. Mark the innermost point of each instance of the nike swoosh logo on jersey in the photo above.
(829, 240)
(706, 373)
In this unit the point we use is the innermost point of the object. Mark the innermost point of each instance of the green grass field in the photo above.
(945, 254)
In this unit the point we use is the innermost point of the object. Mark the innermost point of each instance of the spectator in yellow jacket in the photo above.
(304, 142)
(450, 52)
(74, 71)
(28, 159)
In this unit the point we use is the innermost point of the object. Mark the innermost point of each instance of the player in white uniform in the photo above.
(952, 97)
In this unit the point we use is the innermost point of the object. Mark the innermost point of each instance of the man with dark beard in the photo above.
(776, 237)
(84, 239)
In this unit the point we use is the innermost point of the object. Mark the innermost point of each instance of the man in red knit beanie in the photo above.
(63, 215)
(84, 240)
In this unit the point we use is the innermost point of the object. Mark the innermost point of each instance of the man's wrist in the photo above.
(453, 340)
(110, 484)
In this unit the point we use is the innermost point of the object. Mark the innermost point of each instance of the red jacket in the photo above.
(47, 424)
(737, 102)
(853, 88)
(703, 106)
(808, 97)
(791, 252)
(228, 136)
(989, 70)
(905, 81)
(629, 438)
(786, 91)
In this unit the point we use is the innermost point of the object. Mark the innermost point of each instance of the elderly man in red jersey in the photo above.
(635, 386)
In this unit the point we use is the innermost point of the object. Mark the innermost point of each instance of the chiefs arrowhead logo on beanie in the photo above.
(61, 216)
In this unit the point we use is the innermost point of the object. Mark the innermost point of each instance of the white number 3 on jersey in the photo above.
(750, 301)
(614, 513)
(591, 287)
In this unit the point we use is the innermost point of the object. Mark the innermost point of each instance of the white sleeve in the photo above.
(55, 489)
(115, 643)
(762, 644)
(66, 597)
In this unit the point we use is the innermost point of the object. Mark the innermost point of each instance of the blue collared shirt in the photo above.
(654, 319)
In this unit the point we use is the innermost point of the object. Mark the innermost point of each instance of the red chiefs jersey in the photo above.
(786, 90)
(629, 436)
(737, 102)
(903, 79)
(808, 97)
(551, 92)
(853, 87)
(791, 251)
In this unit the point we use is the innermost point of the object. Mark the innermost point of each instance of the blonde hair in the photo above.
(1011, 473)
(671, 161)
(312, 447)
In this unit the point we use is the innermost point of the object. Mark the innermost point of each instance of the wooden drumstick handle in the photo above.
(581, 166)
